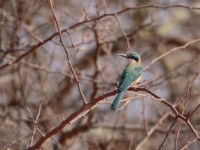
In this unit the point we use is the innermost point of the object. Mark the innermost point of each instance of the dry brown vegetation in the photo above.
(59, 74)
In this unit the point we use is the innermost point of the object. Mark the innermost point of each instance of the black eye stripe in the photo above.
(135, 58)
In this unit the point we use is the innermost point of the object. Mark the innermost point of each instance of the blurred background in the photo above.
(34, 70)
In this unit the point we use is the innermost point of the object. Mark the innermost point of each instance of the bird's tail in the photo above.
(116, 102)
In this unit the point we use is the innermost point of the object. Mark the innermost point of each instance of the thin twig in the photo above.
(177, 135)
(172, 50)
(168, 133)
(194, 111)
(152, 130)
(35, 121)
(67, 53)
(189, 143)
(123, 32)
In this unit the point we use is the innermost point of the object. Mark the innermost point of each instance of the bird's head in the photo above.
(134, 56)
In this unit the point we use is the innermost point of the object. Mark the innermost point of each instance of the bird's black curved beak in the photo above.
(122, 55)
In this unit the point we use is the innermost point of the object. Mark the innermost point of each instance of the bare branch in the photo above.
(67, 53)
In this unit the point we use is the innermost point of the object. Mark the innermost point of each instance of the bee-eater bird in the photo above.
(130, 75)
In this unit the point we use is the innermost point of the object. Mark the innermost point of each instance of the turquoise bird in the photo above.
(131, 74)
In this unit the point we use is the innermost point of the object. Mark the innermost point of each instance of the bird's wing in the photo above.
(129, 75)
